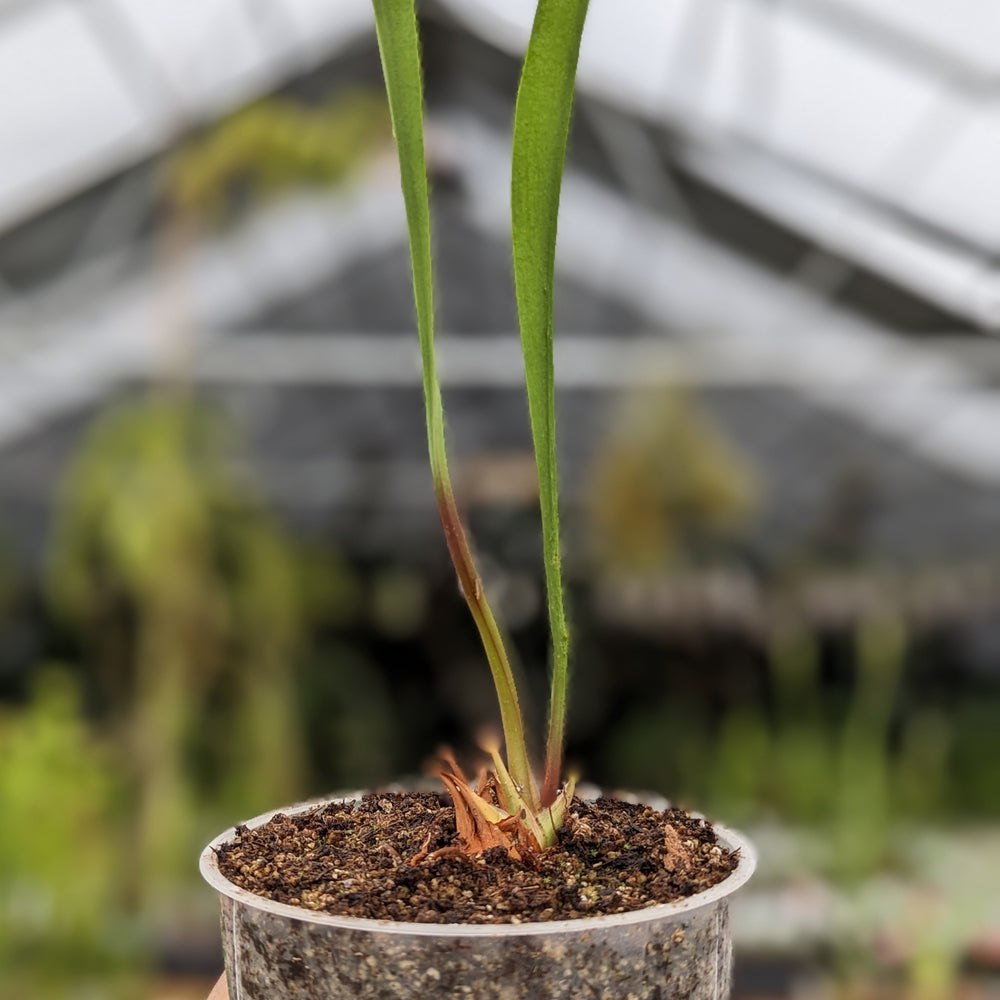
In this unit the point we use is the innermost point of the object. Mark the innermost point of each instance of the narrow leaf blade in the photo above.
(541, 129)
(399, 47)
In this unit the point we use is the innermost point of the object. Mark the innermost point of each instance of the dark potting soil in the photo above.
(351, 859)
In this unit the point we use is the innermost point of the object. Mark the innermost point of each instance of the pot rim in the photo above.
(209, 868)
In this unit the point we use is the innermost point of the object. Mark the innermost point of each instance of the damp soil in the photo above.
(353, 859)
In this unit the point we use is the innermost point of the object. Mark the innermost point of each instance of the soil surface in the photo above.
(351, 859)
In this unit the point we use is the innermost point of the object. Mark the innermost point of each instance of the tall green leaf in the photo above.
(396, 27)
(541, 129)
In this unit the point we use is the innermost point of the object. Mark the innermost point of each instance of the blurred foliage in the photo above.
(854, 768)
(349, 716)
(217, 660)
(222, 669)
(59, 912)
(189, 604)
(865, 803)
(273, 145)
(663, 482)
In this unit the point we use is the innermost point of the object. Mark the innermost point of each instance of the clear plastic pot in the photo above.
(676, 950)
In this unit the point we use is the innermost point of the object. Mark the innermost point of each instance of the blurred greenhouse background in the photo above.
(222, 581)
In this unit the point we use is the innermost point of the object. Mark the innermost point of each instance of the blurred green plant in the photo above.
(663, 482)
(348, 713)
(61, 796)
(836, 771)
(850, 772)
(742, 757)
(185, 594)
(973, 747)
(851, 769)
(804, 747)
(863, 808)
(274, 145)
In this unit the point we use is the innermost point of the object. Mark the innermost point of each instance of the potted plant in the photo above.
(515, 889)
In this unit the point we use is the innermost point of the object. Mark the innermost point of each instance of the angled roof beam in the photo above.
(136, 65)
(901, 46)
(12, 9)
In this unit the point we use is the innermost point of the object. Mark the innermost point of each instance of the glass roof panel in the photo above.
(89, 89)
(886, 99)
(64, 111)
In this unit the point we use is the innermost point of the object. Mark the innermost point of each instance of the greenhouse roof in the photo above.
(99, 86)
(870, 127)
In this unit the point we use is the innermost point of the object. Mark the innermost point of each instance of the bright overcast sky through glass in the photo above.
(89, 88)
